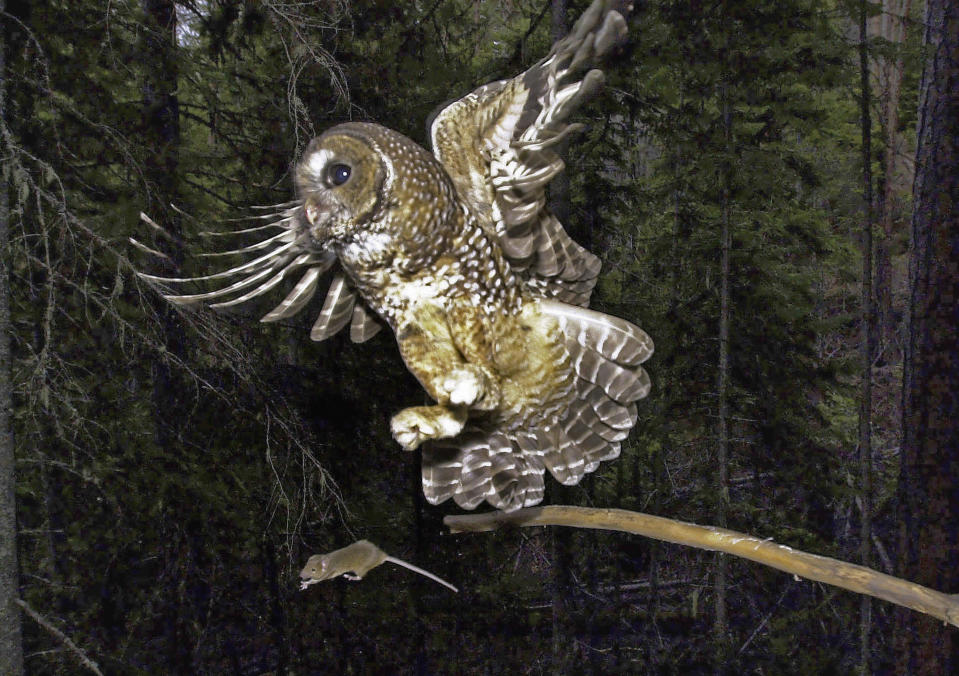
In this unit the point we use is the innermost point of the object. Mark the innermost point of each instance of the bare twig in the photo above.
(849, 576)
(60, 636)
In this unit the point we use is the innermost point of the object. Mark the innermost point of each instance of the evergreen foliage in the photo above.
(169, 540)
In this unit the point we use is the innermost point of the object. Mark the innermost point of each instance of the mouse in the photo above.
(353, 562)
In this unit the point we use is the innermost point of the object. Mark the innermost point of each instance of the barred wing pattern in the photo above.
(499, 145)
(290, 254)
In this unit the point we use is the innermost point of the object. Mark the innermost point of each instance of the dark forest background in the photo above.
(746, 177)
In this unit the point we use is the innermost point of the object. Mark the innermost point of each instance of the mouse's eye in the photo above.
(339, 174)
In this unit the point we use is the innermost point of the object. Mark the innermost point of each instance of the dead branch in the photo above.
(849, 576)
(60, 636)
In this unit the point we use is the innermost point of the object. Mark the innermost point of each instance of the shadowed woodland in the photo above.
(773, 190)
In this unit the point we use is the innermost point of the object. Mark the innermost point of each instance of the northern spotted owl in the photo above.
(458, 253)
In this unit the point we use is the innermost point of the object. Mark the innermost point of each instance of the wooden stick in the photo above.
(849, 576)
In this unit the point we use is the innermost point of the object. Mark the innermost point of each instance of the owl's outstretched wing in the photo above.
(499, 145)
(287, 255)
(505, 464)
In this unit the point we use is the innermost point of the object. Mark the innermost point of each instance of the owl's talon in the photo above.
(408, 437)
(412, 426)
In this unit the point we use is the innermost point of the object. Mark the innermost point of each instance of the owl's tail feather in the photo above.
(480, 465)
(505, 468)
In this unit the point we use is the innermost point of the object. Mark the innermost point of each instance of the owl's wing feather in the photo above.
(268, 285)
(363, 325)
(499, 145)
(613, 337)
(606, 355)
(337, 309)
(287, 252)
(300, 295)
(189, 299)
(283, 237)
(593, 409)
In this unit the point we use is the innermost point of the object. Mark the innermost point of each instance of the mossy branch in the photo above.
(849, 576)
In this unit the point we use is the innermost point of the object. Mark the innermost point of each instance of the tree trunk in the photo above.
(11, 642)
(890, 72)
(929, 477)
(559, 187)
(865, 341)
(161, 108)
(721, 625)
(161, 141)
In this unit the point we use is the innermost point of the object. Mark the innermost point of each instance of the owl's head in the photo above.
(366, 189)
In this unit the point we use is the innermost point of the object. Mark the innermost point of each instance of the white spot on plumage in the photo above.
(318, 161)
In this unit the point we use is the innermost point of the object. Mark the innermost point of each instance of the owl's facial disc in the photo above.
(339, 179)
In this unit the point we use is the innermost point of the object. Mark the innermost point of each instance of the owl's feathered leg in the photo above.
(428, 348)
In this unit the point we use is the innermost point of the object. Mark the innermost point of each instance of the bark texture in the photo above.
(865, 341)
(11, 644)
(929, 480)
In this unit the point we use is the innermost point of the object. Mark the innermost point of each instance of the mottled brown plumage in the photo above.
(458, 254)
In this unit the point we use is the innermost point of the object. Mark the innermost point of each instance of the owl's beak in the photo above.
(319, 219)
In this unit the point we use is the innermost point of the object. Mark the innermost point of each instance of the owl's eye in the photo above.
(339, 174)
